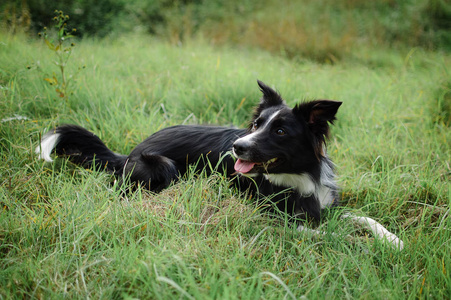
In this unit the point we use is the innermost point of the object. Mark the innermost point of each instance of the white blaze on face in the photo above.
(243, 164)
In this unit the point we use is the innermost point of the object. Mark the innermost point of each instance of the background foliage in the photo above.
(324, 30)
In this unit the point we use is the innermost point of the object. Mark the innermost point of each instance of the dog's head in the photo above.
(283, 139)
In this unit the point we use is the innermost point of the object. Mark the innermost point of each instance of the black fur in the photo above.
(282, 153)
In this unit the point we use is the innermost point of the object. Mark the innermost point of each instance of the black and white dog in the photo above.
(281, 155)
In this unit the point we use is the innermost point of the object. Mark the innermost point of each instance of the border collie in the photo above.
(282, 154)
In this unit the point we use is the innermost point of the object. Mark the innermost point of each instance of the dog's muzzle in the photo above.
(241, 148)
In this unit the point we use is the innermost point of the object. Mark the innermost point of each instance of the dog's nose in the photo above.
(240, 147)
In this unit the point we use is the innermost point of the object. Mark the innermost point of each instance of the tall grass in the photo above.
(66, 232)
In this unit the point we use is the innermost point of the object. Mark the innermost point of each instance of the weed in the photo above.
(63, 51)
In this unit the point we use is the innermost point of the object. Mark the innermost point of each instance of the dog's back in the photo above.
(168, 153)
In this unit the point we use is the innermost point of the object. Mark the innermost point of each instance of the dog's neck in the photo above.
(302, 183)
(306, 186)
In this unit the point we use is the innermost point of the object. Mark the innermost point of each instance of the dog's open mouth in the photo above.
(243, 166)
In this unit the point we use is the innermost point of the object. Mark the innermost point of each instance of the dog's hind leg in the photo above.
(376, 228)
(153, 171)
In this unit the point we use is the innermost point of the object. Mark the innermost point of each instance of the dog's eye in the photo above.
(254, 125)
(280, 131)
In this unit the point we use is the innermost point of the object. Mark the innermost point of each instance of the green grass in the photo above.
(65, 232)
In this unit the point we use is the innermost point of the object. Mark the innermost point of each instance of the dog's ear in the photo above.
(318, 114)
(270, 96)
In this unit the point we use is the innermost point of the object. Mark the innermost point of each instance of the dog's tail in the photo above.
(81, 146)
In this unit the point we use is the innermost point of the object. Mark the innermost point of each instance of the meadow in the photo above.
(68, 232)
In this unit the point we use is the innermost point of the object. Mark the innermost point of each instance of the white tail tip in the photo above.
(48, 142)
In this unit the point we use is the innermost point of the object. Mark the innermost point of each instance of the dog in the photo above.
(281, 155)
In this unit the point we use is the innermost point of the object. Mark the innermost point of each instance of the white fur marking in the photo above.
(249, 138)
(48, 142)
(324, 195)
(303, 184)
(327, 175)
(323, 192)
(272, 117)
(377, 229)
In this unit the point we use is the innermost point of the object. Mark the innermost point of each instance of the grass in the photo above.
(65, 232)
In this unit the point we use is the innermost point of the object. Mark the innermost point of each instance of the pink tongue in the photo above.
(243, 166)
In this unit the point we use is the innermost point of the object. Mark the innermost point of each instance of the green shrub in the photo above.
(324, 30)
(93, 17)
